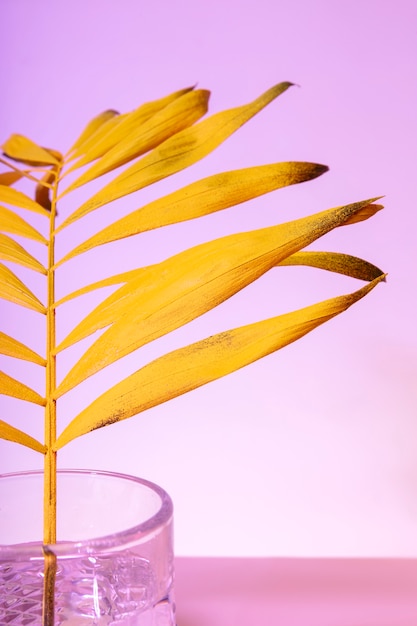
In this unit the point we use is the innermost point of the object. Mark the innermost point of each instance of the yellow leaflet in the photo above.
(12, 347)
(203, 197)
(117, 279)
(366, 213)
(332, 261)
(178, 152)
(10, 222)
(17, 436)
(180, 114)
(12, 289)
(43, 189)
(117, 129)
(10, 250)
(19, 199)
(186, 369)
(176, 291)
(98, 144)
(9, 178)
(335, 262)
(11, 387)
(91, 129)
(23, 149)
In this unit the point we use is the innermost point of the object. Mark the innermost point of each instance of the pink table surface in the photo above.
(296, 592)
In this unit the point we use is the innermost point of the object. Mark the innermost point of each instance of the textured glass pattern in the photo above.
(91, 591)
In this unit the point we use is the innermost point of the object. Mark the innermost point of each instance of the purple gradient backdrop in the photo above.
(312, 451)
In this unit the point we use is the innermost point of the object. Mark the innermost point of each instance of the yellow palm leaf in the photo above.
(191, 367)
(118, 128)
(98, 143)
(178, 152)
(335, 262)
(11, 387)
(332, 261)
(10, 250)
(9, 178)
(117, 279)
(12, 347)
(10, 433)
(178, 115)
(91, 130)
(203, 197)
(12, 289)
(19, 199)
(187, 285)
(21, 148)
(43, 190)
(12, 223)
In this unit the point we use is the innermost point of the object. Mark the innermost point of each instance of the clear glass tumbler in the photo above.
(114, 551)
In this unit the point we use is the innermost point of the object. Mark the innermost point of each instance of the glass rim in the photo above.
(139, 533)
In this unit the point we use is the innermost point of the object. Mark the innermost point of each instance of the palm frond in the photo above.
(137, 149)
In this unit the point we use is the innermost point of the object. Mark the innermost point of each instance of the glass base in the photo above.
(120, 579)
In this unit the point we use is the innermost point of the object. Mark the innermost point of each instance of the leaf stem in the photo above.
(50, 466)
(50, 462)
(26, 173)
(48, 605)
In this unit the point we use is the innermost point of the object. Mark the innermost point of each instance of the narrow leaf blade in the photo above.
(365, 214)
(11, 387)
(19, 199)
(117, 279)
(91, 129)
(10, 250)
(14, 290)
(10, 433)
(11, 347)
(43, 190)
(337, 262)
(191, 367)
(98, 144)
(9, 178)
(10, 222)
(22, 149)
(203, 197)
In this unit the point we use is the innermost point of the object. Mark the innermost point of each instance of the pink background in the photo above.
(312, 451)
